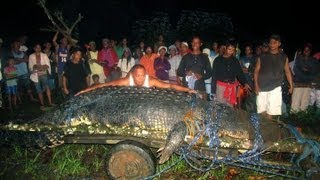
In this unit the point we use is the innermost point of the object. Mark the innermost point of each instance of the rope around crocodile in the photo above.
(251, 159)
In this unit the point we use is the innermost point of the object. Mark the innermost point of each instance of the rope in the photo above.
(310, 146)
(251, 159)
(189, 121)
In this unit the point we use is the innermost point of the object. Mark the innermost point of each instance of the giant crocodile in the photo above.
(162, 114)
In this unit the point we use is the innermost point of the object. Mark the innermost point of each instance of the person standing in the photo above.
(126, 62)
(162, 65)
(76, 76)
(174, 60)
(11, 73)
(62, 55)
(147, 61)
(305, 71)
(268, 76)
(39, 65)
(195, 67)
(226, 75)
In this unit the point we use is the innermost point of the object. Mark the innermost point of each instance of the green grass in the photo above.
(80, 161)
(61, 162)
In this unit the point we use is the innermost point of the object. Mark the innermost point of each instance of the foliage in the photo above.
(208, 25)
(307, 117)
(150, 28)
(309, 120)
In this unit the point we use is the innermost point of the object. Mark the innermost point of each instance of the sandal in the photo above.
(52, 105)
(42, 108)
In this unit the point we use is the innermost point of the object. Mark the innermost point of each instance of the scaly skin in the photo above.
(131, 111)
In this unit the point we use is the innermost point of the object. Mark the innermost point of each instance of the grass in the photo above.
(309, 120)
(81, 161)
(61, 162)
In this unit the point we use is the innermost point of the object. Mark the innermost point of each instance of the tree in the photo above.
(208, 25)
(60, 24)
(150, 28)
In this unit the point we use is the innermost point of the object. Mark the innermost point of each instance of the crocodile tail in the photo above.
(33, 139)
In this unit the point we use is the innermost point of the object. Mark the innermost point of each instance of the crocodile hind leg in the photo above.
(174, 140)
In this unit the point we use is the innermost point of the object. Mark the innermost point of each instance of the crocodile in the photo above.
(149, 113)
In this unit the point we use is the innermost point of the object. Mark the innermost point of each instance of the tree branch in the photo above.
(62, 27)
(48, 29)
(58, 15)
(42, 3)
(76, 22)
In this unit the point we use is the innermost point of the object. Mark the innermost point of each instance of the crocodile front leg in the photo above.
(174, 140)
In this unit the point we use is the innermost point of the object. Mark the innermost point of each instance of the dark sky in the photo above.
(295, 22)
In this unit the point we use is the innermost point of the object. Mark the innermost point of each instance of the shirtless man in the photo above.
(138, 77)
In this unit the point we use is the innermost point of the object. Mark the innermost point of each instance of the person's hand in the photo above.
(247, 87)
(86, 90)
(198, 76)
(291, 89)
(192, 91)
(179, 81)
(257, 89)
(83, 91)
(66, 91)
(45, 67)
(91, 61)
(189, 73)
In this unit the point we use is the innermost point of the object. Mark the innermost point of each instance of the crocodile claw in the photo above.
(164, 154)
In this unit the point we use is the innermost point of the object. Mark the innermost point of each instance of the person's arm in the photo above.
(160, 84)
(64, 85)
(31, 64)
(297, 68)
(54, 40)
(167, 65)
(213, 77)
(239, 73)
(88, 80)
(288, 75)
(181, 71)
(256, 76)
(118, 82)
(25, 58)
(208, 71)
(47, 63)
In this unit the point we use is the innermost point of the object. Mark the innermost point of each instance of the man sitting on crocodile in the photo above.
(138, 77)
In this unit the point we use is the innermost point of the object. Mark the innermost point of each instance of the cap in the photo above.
(92, 43)
(185, 43)
(173, 47)
(206, 51)
(162, 47)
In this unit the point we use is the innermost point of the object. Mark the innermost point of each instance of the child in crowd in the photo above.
(95, 79)
(10, 73)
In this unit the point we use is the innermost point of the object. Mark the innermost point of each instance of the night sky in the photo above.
(295, 22)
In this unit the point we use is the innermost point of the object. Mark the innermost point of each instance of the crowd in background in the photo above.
(44, 71)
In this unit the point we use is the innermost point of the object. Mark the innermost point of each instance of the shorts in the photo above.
(11, 90)
(270, 101)
(51, 83)
(42, 84)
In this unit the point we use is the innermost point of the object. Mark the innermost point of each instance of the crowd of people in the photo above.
(222, 71)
